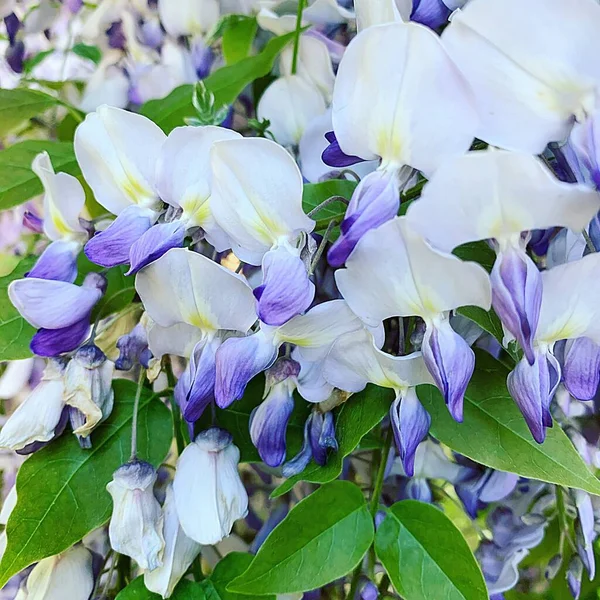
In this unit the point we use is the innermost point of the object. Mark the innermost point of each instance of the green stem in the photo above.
(355, 581)
(136, 405)
(374, 504)
(179, 439)
(297, 35)
(588, 241)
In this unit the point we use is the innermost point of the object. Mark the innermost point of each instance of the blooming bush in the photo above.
(300, 299)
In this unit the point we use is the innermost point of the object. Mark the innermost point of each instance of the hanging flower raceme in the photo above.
(569, 310)
(257, 201)
(354, 360)
(386, 109)
(530, 83)
(501, 196)
(58, 309)
(207, 476)
(394, 272)
(64, 199)
(183, 287)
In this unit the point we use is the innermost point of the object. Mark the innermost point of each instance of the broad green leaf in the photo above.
(322, 539)
(353, 420)
(488, 320)
(316, 193)
(30, 63)
(92, 53)
(18, 182)
(426, 556)
(494, 432)
(479, 252)
(15, 331)
(226, 84)
(18, 106)
(185, 590)
(238, 37)
(236, 420)
(62, 489)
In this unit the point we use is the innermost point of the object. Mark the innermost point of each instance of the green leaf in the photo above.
(479, 252)
(62, 488)
(92, 53)
(322, 538)
(30, 63)
(353, 420)
(185, 590)
(488, 320)
(316, 193)
(15, 331)
(494, 432)
(426, 556)
(19, 105)
(236, 420)
(238, 37)
(226, 84)
(18, 182)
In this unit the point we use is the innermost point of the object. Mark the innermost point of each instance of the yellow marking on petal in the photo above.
(62, 227)
(202, 321)
(136, 190)
(388, 145)
(196, 209)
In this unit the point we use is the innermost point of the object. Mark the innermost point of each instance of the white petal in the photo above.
(354, 361)
(279, 25)
(63, 199)
(51, 304)
(117, 151)
(179, 339)
(310, 381)
(528, 81)
(8, 505)
(257, 195)
(325, 12)
(184, 286)
(188, 17)
(497, 194)
(66, 575)
(570, 307)
(387, 108)
(394, 272)
(315, 331)
(376, 12)
(108, 85)
(15, 377)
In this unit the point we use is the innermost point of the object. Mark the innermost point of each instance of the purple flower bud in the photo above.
(553, 567)
(574, 576)
(517, 296)
(532, 387)
(416, 488)
(369, 591)
(15, 56)
(203, 58)
(33, 222)
(153, 243)
(410, 424)
(333, 156)
(286, 290)
(375, 201)
(450, 361)
(133, 348)
(585, 533)
(116, 36)
(12, 25)
(431, 13)
(584, 142)
(111, 247)
(489, 486)
(581, 368)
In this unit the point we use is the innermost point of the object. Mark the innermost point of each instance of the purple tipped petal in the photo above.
(581, 368)
(532, 387)
(111, 247)
(432, 13)
(154, 243)
(375, 201)
(268, 423)
(574, 576)
(132, 348)
(33, 222)
(333, 155)
(53, 342)
(410, 424)
(451, 362)
(196, 387)
(238, 360)
(286, 290)
(517, 296)
(57, 262)
(322, 436)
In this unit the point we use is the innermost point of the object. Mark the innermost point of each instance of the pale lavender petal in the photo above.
(57, 262)
(451, 362)
(286, 290)
(517, 296)
(154, 242)
(111, 247)
(585, 533)
(581, 368)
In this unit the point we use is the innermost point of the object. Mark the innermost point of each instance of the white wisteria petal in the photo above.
(570, 307)
(15, 377)
(117, 151)
(384, 106)
(313, 65)
(327, 12)
(529, 81)
(393, 271)
(186, 287)
(290, 103)
(310, 381)
(207, 477)
(279, 25)
(180, 551)
(354, 361)
(63, 200)
(315, 331)
(51, 304)
(497, 194)
(66, 575)
(107, 85)
(178, 339)
(257, 195)
(188, 17)
(377, 12)
(37, 417)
